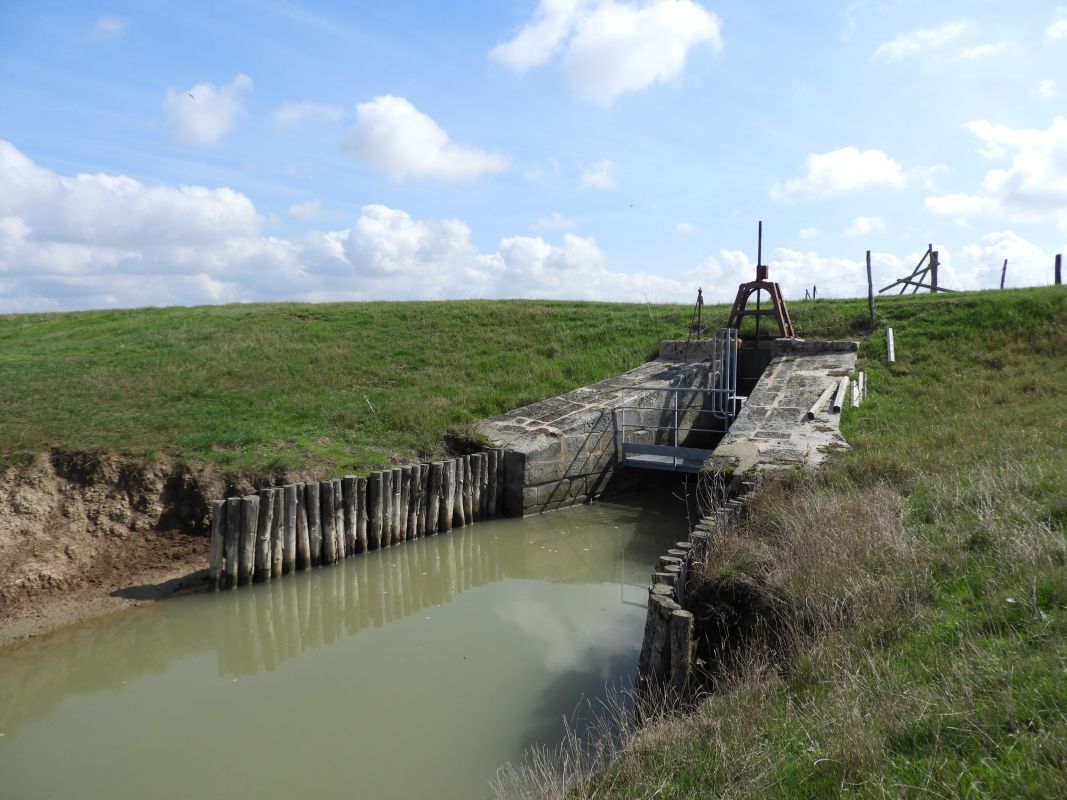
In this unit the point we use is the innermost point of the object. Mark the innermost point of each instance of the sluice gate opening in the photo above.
(675, 428)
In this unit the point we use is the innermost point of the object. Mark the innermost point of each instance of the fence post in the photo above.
(870, 289)
(1003, 273)
(933, 271)
(1059, 271)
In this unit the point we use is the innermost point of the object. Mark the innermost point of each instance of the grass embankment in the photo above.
(919, 586)
(337, 387)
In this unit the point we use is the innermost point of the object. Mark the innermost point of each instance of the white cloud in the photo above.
(920, 39)
(543, 36)
(89, 241)
(553, 222)
(1034, 186)
(686, 227)
(810, 233)
(109, 27)
(204, 113)
(1057, 30)
(982, 51)
(865, 226)
(839, 171)
(961, 205)
(291, 114)
(981, 262)
(612, 47)
(304, 211)
(1045, 89)
(599, 176)
(395, 137)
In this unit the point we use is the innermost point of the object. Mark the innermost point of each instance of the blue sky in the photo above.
(162, 153)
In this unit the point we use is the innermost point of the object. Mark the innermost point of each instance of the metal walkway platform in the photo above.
(664, 457)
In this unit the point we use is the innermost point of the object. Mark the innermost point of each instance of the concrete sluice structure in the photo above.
(568, 449)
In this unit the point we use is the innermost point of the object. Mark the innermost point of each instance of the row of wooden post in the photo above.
(280, 530)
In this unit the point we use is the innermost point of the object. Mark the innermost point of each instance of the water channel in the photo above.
(412, 672)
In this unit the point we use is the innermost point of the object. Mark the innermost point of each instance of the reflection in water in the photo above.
(468, 645)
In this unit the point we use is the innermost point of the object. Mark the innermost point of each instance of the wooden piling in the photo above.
(349, 502)
(414, 498)
(303, 536)
(329, 540)
(468, 489)
(277, 533)
(405, 504)
(249, 520)
(433, 500)
(681, 634)
(338, 519)
(362, 515)
(232, 543)
(484, 492)
(263, 528)
(457, 494)
(476, 486)
(398, 480)
(448, 496)
(313, 511)
(218, 535)
(375, 510)
(292, 508)
(387, 508)
(424, 497)
(492, 456)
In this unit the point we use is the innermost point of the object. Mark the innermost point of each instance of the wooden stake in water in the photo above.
(263, 528)
(313, 506)
(362, 515)
(218, 534)
(232, 543)
(303, 535)
(277, 533)
(375, 509)
(292, 509)
(249, 520)
(329, 540)
(433, 502)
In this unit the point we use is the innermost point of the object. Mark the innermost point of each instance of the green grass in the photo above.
(267, 387)
(927, 568)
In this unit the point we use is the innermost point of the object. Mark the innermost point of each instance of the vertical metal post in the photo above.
(1059, 270)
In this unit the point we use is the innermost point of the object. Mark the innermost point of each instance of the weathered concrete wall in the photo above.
(772, 430)
(564, 450)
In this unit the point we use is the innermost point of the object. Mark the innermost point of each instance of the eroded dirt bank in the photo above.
(83, 535)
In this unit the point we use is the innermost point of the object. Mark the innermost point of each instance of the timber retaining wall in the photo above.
(284, 529)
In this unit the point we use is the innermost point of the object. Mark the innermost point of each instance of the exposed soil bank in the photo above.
(83, 535)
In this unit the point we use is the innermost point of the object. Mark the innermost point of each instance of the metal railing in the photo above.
(658, 434)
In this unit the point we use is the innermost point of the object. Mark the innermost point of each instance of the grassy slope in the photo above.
(265, 387)
(940, 593)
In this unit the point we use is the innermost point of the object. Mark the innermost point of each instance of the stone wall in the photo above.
(565, 450)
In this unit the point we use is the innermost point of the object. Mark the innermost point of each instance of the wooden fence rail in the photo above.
(288, 528)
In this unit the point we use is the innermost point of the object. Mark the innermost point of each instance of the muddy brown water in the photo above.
(413, 672)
